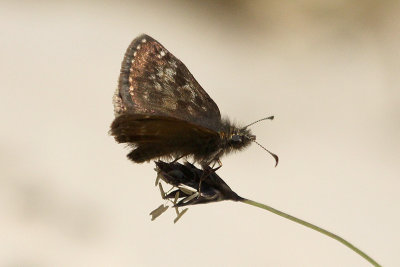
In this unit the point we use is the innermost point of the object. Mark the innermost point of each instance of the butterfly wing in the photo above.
(156, 136)
(155, 82)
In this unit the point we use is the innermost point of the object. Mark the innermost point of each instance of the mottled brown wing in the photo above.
(155, 82)
(158, 136)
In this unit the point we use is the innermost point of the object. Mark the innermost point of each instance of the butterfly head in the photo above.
(239, 138)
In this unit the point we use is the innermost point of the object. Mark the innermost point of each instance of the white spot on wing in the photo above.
(190, 109)
(157, 86)
(173, 63)
(160, 72)
(144, 40)
(169, 72)
(192, 92)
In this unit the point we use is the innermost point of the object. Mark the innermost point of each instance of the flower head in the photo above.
(190, 186)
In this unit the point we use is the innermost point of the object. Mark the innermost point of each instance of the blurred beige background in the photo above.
(328, 71)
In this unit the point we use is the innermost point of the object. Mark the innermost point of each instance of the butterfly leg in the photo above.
(219, 163)
(208, 171)
(178, 158)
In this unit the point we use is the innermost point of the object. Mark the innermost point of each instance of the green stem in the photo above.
(314, 227)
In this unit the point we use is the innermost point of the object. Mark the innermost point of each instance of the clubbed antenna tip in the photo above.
(272, 154)
(263, 119)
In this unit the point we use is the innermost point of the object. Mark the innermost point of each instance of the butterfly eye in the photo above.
(236, 138)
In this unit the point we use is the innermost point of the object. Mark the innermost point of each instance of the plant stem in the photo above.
(314, 227)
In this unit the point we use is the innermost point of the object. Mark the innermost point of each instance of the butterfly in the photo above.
(161, 111)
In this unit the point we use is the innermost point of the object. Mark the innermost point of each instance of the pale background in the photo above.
(328, 71)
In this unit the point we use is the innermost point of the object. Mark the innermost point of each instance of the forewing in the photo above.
(155, 82)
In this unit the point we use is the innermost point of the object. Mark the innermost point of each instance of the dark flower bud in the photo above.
(195, 186)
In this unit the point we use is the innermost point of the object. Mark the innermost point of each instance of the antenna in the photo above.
(263, 119)
(272, 154)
